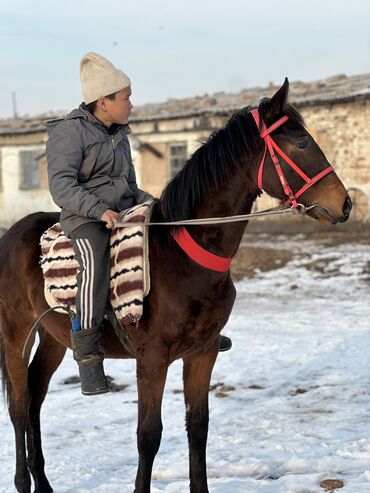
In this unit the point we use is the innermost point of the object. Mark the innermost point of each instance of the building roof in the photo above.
(336, 89)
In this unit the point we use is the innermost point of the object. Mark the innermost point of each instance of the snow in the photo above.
(291, 402)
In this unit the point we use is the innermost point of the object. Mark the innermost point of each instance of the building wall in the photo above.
(155, 171)
(14, 202)
(342, 130)
(153, 168)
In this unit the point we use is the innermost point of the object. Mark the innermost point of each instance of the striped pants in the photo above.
(91, 246)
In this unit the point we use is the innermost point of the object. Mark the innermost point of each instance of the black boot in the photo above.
(88, 353)
(225, 343)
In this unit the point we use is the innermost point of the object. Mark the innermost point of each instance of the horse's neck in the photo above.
(231, 200)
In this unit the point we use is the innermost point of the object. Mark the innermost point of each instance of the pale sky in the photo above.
(174, 49)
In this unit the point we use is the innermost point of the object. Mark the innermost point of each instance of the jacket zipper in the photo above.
(113, 142)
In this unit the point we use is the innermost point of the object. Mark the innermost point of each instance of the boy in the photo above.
(92, 178)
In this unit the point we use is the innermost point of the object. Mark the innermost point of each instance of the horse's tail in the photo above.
(5, 381)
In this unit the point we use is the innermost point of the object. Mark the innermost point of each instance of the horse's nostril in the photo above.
(347, 206)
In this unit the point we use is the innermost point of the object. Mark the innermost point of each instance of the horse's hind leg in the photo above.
(15, 372)
(47, 358)
(197, 377)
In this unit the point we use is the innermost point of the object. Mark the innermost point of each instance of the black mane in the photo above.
(215, 161)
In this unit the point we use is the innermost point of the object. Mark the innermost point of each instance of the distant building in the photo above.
(336, 111)
(23, 175)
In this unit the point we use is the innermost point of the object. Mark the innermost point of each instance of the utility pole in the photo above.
(14, 99)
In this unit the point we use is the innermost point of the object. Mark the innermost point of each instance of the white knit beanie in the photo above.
(99, 77)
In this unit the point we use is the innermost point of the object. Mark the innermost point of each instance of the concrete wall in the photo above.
(14, 202)
(154, 171)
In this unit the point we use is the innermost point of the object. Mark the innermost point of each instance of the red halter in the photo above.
(222, 264)
(272, 146)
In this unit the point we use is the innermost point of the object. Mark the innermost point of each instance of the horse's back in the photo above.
(20, 247)
(24, 232)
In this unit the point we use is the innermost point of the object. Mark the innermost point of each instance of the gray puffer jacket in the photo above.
(89, 169)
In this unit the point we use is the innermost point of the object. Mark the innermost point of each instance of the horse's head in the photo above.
(295, 169)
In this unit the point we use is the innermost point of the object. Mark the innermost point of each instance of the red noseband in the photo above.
(273, 148)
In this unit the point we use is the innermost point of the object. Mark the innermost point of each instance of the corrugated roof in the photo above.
(338, 88)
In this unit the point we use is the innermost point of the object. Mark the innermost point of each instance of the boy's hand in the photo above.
(109, 217)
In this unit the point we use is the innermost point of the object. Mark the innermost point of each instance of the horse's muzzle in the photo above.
(325, 214)
(347, 207)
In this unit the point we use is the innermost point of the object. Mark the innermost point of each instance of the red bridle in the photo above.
(222, 264)
(273, 148)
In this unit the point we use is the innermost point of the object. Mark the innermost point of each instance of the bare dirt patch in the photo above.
(331, 484)
(254, 257)
(250, 260)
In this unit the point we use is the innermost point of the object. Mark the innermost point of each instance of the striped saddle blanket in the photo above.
(130, 273)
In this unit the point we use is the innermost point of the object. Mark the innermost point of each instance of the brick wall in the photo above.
(343, 133)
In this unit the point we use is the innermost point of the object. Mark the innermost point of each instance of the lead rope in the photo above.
(36, 325)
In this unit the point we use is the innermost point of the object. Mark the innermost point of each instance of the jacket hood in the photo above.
(83, 112)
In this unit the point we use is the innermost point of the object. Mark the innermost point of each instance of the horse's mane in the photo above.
(212, 164)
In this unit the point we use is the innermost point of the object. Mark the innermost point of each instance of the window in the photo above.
(29, 170)
(178, 157)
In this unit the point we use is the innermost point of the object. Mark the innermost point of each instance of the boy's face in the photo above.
(119, 109)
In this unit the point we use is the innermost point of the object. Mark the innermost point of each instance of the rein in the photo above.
(274, 211)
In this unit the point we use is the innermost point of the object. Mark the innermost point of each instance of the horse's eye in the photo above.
(301, 144)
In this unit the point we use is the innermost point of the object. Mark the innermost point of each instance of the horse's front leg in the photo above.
(197, 377)
(151, 378)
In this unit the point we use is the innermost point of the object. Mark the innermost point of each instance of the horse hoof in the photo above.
(44, 489)
(22, 485)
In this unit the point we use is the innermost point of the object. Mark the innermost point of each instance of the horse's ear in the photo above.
(277, 102)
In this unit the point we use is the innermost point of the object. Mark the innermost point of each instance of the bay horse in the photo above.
(188, 304)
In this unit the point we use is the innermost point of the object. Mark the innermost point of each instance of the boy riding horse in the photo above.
(92, 179)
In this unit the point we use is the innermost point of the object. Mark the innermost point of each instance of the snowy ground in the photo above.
(291, 404)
